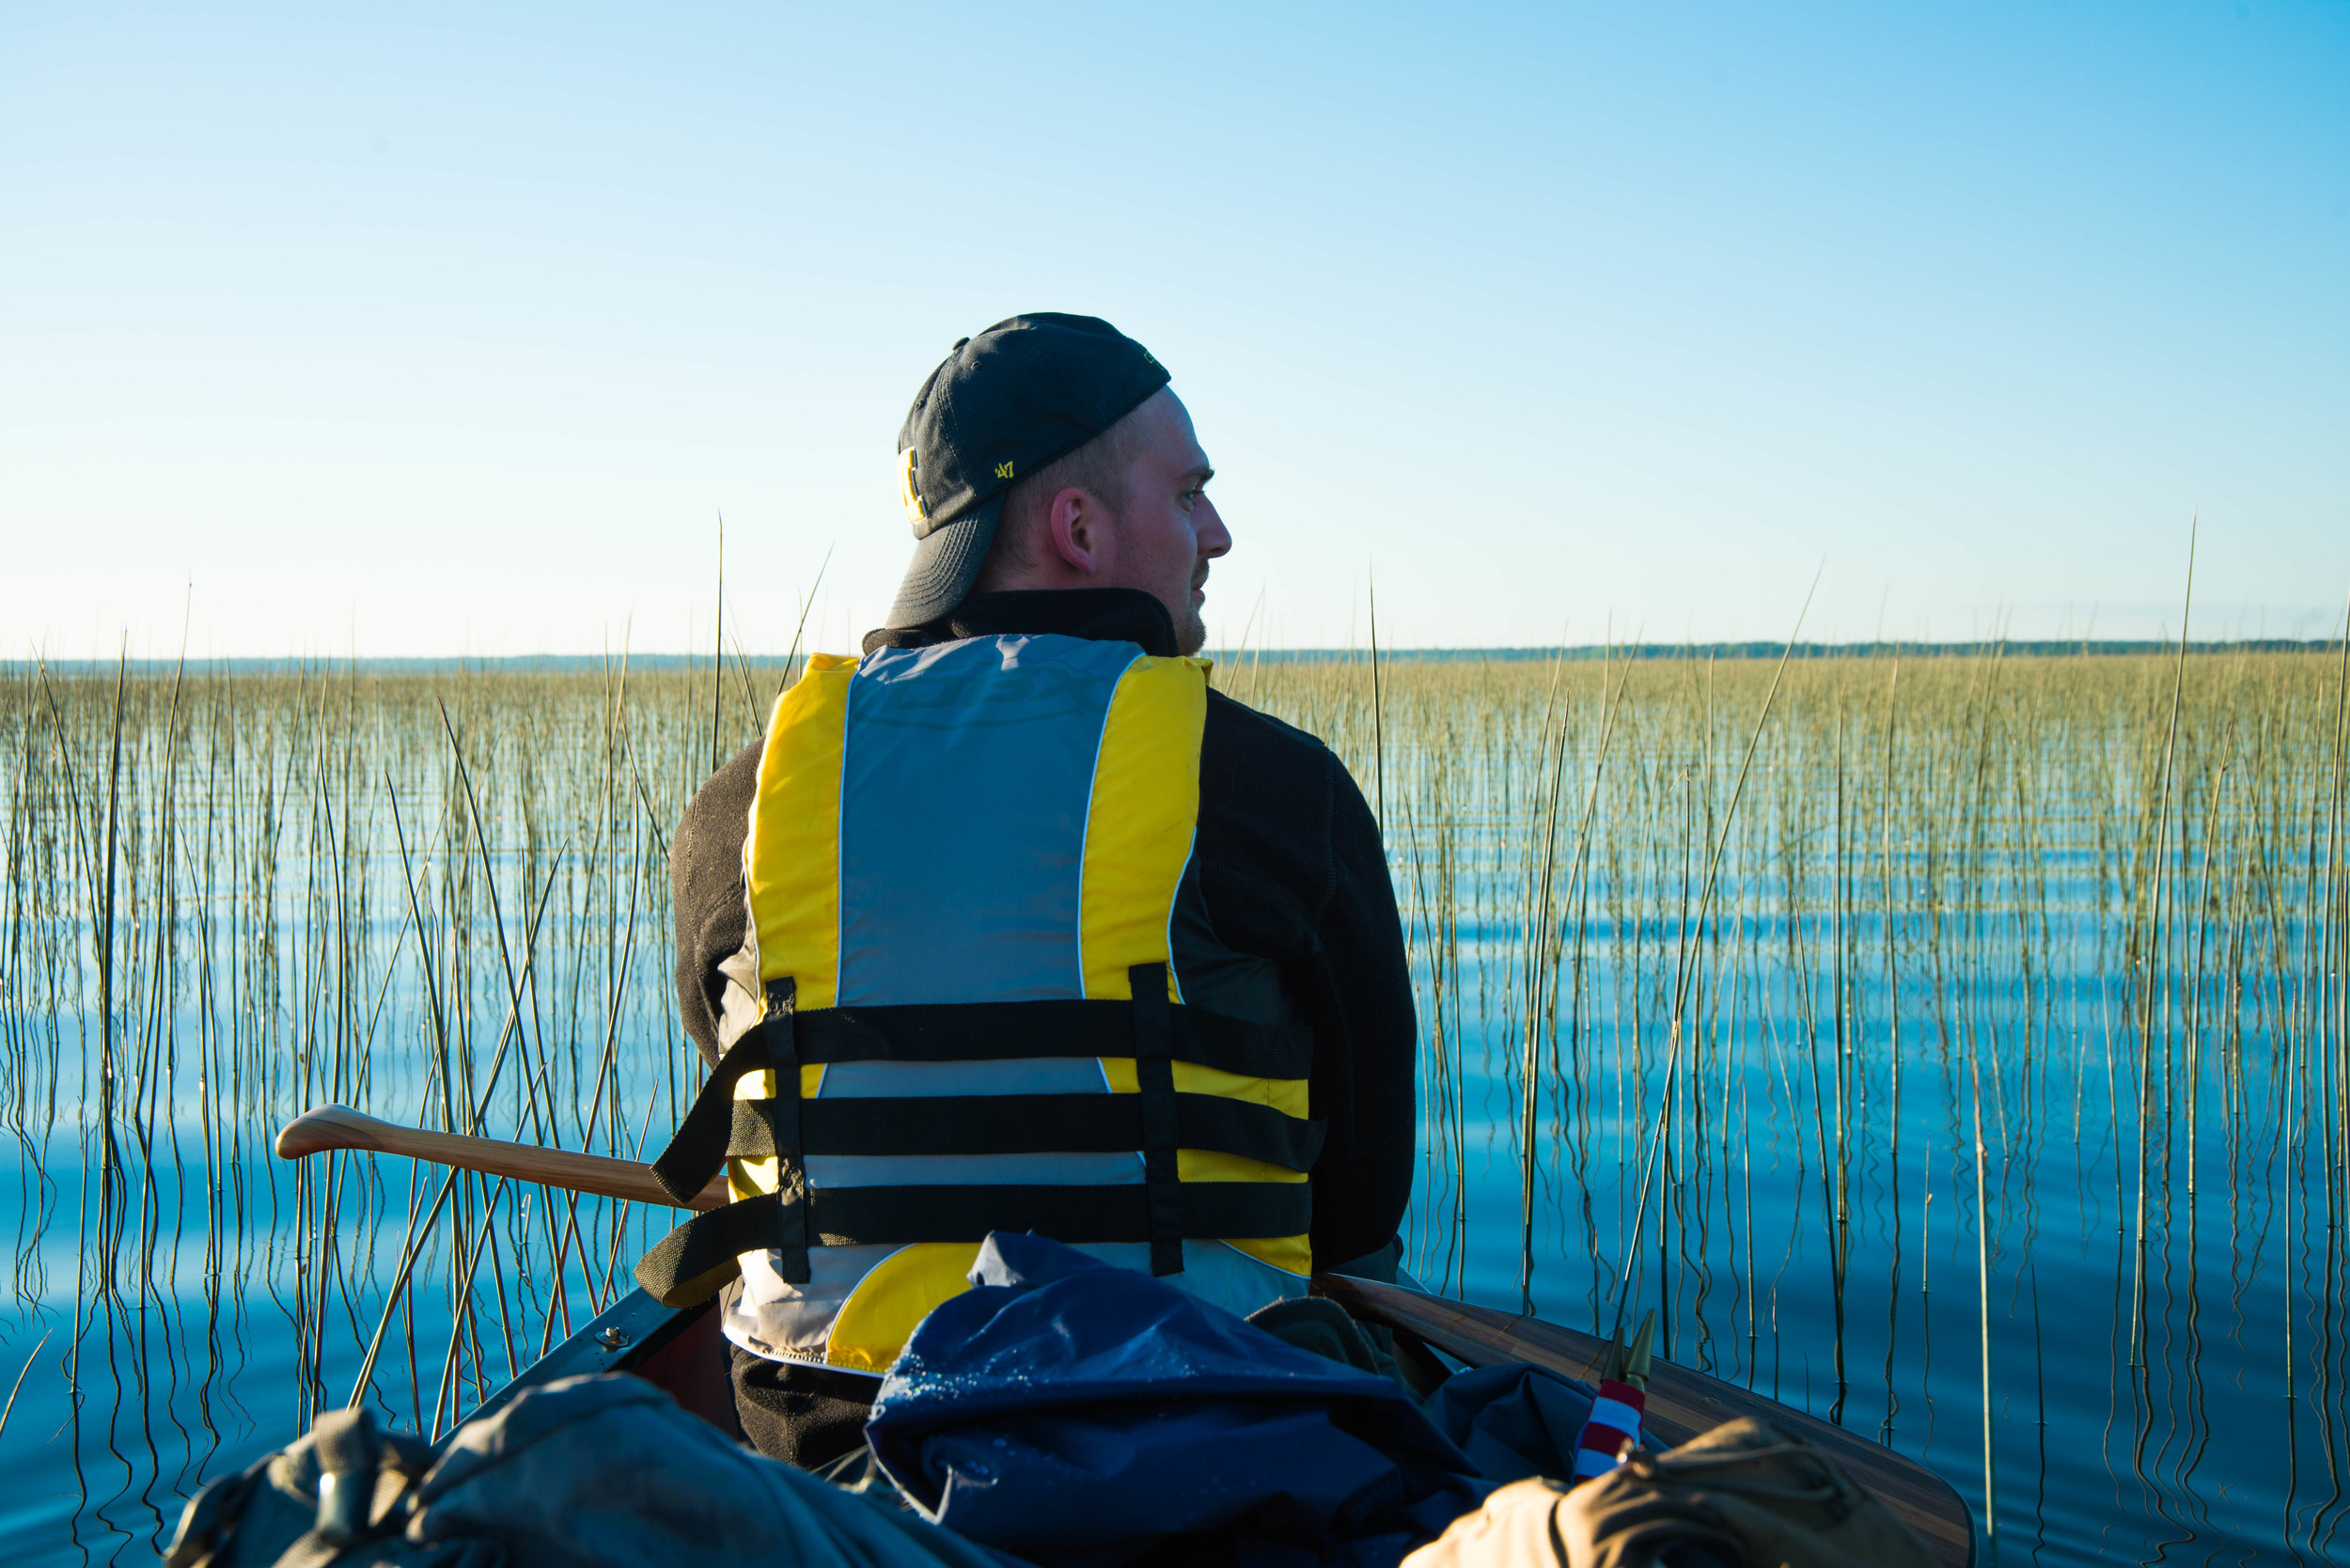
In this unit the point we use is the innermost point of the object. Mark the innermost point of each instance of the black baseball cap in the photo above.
(1001, 405)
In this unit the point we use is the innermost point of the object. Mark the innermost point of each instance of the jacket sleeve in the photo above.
(706, 889)
(1357, 985)
(1295, 872)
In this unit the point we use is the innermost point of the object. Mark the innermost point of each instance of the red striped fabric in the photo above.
(1613, 1425)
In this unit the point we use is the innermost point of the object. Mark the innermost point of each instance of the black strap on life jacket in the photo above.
(1004, 1031)
(1023, 1123)
(684, 1268)
(1154, 1075)
(700, 1146)
(703, 1253)
(695, 1259)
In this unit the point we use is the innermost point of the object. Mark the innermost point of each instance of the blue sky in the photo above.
(453, 331)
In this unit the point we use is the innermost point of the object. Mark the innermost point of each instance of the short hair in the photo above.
(1102, 468)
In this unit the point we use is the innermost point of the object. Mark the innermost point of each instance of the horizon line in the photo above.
(1743, 649)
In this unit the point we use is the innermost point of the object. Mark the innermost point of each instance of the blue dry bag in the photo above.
(1078, 1414)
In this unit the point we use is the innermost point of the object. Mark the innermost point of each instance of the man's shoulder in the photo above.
(1255, 764)
(1234, 722)
(1260, 748)
(717, 817)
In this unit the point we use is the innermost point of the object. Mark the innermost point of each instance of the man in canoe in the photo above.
(1013, 924)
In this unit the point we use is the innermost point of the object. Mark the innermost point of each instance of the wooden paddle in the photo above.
(324, 1127)
(1681, 1403)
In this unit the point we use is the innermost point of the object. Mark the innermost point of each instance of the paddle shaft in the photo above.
(324, 1127)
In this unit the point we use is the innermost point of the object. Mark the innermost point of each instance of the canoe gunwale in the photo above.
(624, 1336)
(681, 1350)
(1681, 1403)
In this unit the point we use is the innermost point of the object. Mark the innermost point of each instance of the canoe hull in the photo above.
(681, 1350)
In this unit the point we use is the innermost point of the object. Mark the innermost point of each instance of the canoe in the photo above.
(681, 1350)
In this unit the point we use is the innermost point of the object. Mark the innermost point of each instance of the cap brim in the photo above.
(945, 563)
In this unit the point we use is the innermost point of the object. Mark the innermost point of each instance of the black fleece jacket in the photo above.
(1291, 867)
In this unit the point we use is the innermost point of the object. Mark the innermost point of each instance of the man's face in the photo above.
(1168, 532)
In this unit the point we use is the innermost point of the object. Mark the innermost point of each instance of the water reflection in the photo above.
(1980, 1035)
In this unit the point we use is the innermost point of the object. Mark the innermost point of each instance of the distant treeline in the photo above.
(2054, 648)
(549, 664)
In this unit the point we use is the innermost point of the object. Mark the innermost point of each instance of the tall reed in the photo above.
(1958, 1047)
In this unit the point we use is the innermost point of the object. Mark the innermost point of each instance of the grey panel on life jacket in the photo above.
(963, 796)
(877, 1080)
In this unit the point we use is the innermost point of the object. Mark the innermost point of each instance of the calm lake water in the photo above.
(1982, 1031)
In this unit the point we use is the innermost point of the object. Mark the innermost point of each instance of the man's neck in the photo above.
(1098, 614)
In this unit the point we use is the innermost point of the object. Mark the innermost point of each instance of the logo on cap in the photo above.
(1003, 470)
(918, 515)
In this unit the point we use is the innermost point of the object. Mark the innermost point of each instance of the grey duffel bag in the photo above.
(589, 1472)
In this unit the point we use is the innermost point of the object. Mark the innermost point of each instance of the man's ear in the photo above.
(1077, 520)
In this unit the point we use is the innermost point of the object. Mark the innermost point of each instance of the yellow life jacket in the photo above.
(989, 997)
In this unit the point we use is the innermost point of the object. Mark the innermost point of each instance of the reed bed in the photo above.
(1957, 1047)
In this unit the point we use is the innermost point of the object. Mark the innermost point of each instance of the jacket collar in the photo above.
(1098, 614)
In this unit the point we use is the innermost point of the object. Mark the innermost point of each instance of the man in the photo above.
(1044, 933)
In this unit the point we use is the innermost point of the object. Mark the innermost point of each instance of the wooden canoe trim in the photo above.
(324, 1127)
(1681, 1403)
